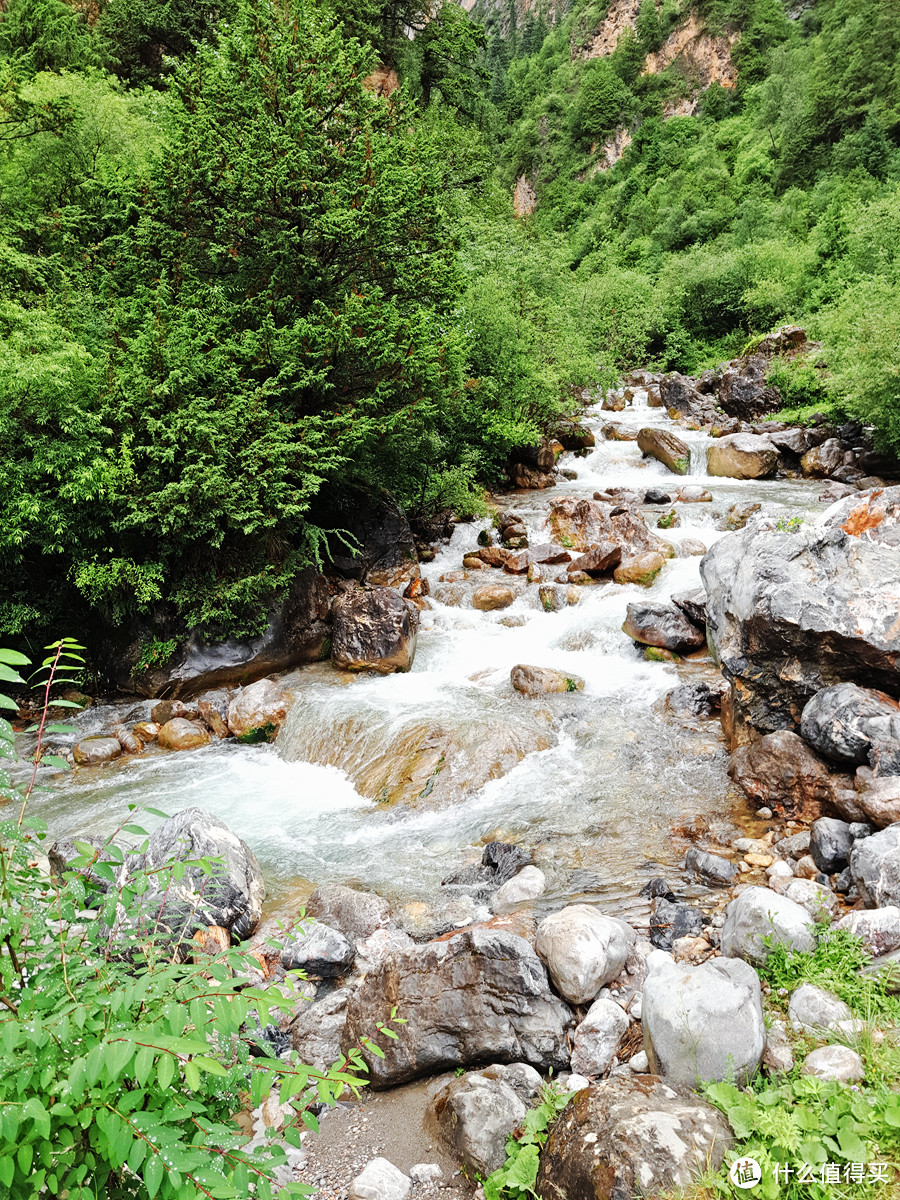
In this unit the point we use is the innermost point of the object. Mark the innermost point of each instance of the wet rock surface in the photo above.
(374, 630)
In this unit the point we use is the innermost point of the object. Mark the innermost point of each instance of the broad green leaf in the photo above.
(14, 658)
(153, 1173)
(165, 1071)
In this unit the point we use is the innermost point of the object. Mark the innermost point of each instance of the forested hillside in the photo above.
(253, 251)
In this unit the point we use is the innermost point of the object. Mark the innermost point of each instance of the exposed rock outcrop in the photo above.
(375, 629)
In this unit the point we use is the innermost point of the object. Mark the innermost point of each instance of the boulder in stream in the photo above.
(791, 613)
(492, 596)
(539, 681)
(662, 625)
(641, 570)
(480, 996)
(630, 1136)
(356, 914)
(257, 712)
(181, 734)
(94, 751)
(742, 456)
(375, 629)
(781, 771)
(666, 448)
(583, 524)
(584, 949)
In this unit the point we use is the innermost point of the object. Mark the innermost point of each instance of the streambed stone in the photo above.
(662, 625)
(375, 629)
(875, 867)
(93, 751)
(258, 710)
(760, 913)
(473, 1117)
(181, 734)
(583, 949)
(539, 681)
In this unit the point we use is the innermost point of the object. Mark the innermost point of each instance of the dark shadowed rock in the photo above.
(780, 771)
(626, 1137)
(679, 394)
(662, 625)
(479, 997)
(710, 868)
(500, 861)
(671, 919)
(693, 605)
(789, 614)
(375, 629)
(742, 390)
(666, 448)
(298, 631)
(845, 722)
(694, 700)
(830, 843)
(821, 461)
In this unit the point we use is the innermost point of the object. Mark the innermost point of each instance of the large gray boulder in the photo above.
(474, 1116)
(760, 913)
(634, 1136)
(481, 996)
(258, 711)
(317, 1027)
(583, 949)
(375, 629)
(231, 896)
(702, 1023)
(791, 613)
(875, 867)
(814, 1010)
(879, 928)
(845, 722)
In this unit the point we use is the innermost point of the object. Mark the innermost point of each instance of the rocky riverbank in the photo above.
(513, 967)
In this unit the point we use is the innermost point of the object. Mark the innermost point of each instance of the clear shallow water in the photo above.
(597, 807)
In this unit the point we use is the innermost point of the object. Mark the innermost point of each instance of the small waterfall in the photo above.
(698, 458)
(640, 398)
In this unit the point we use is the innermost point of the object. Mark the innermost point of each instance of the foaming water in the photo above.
(593, 782)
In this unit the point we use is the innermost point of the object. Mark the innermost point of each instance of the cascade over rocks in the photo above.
(375, 629)
(260, 708)
(481, 996)
(631, 1136)
(704, 1022)
(792, 613)
(679, 396)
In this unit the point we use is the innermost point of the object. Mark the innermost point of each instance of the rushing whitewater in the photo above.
(595, 781)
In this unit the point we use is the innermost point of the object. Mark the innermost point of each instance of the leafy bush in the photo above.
(515, 1180)
(127, 1056)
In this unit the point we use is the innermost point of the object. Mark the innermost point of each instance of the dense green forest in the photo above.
(233, 274)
